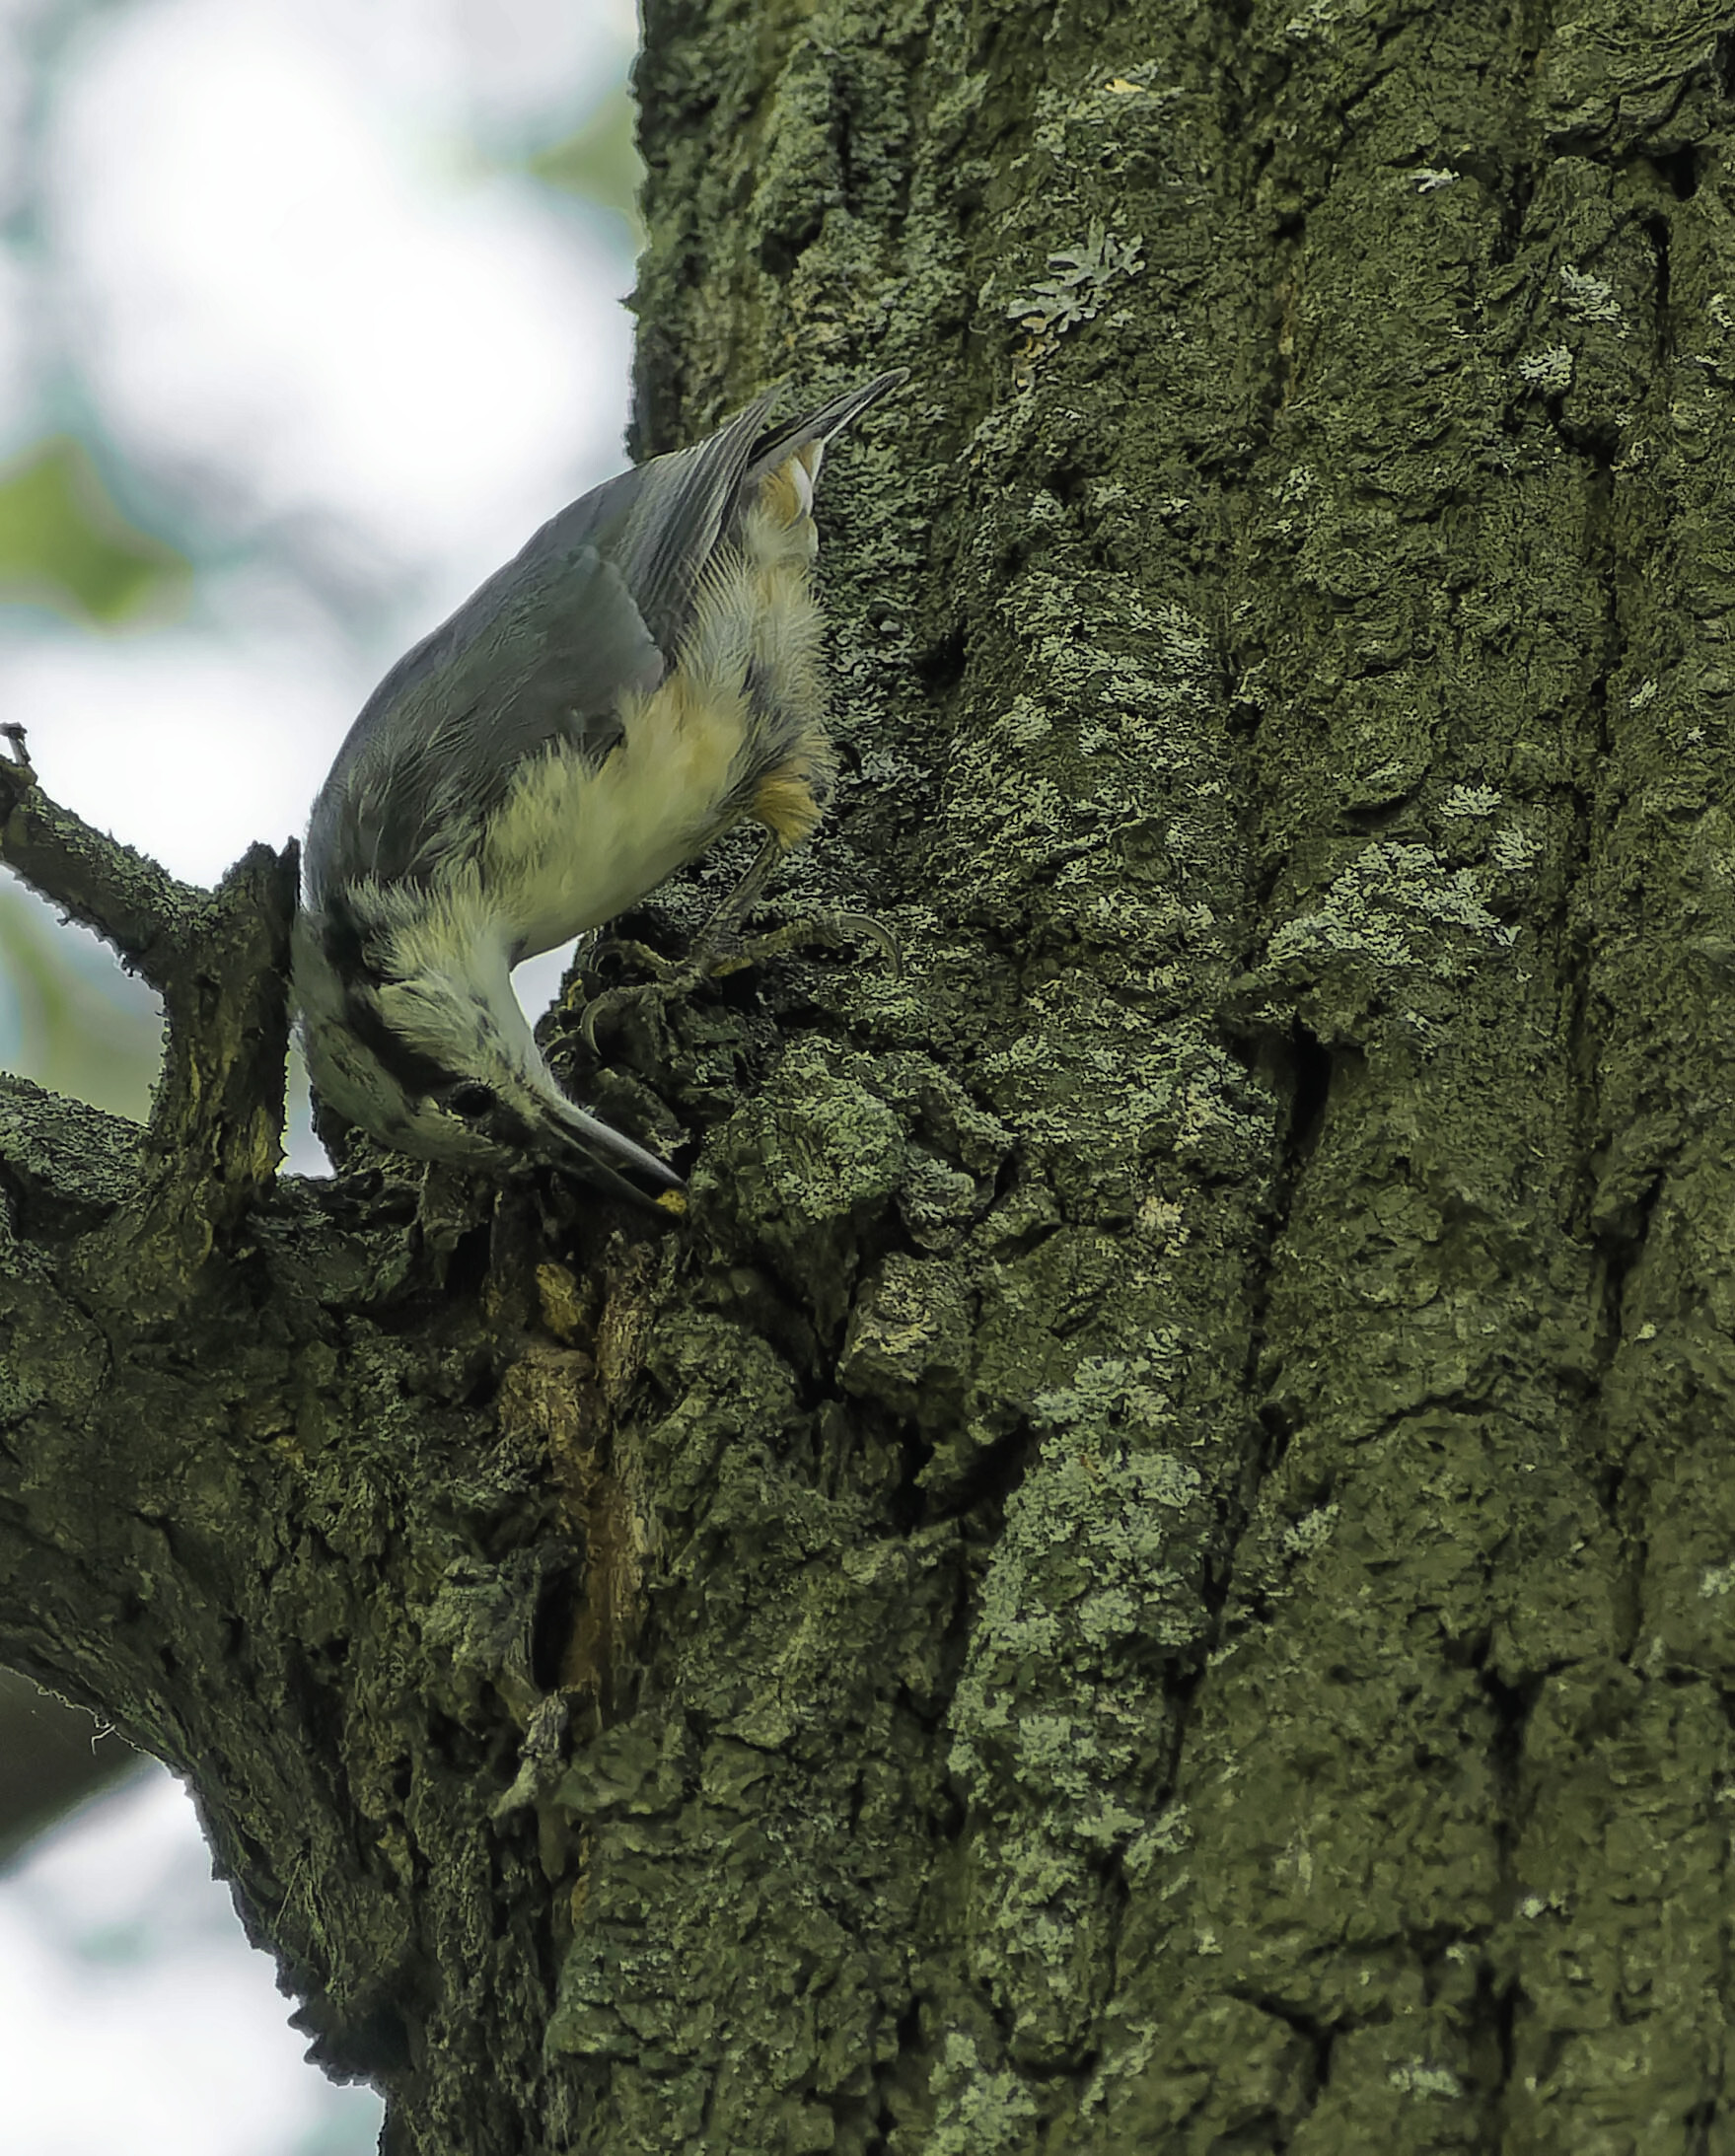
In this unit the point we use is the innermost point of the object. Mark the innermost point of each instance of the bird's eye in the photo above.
(472, 1100)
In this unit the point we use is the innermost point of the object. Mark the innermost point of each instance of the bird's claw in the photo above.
(720, 954)
(828, 929)
(674, 982)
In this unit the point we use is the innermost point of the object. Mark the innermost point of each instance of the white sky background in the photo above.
(276, 254)
(136, 2016)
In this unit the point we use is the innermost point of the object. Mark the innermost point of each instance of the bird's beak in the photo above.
(583, 1146)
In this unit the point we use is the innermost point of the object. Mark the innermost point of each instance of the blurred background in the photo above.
(309, 313)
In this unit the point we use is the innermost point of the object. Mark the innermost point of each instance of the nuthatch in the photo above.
(644, 675)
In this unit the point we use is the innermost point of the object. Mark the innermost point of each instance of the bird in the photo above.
(644, 675)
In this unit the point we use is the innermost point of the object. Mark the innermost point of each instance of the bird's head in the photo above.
(428, 1050)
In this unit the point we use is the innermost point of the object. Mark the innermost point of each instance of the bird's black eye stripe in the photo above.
(472, 1100)
(413, 1071)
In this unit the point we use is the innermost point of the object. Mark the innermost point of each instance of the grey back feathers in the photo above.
(594, 608)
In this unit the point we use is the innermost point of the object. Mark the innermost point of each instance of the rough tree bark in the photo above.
(1153, 1568)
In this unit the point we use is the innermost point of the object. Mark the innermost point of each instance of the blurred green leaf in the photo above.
(83, 1027)
(65, 543)
(600, 161)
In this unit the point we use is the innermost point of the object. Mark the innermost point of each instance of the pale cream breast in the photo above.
(574, 843)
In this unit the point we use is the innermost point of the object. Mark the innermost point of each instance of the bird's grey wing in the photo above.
(542, 653)
(593, 605)
(675, 516)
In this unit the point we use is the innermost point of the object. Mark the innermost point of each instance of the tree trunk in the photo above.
(1151, 1568)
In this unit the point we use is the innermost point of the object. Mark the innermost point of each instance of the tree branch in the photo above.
(219, 959)
(144, 912)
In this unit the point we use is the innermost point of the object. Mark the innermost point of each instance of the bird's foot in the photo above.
(719, 953)
(672, 980)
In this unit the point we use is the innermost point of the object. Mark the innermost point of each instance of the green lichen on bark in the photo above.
(1276, 903)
